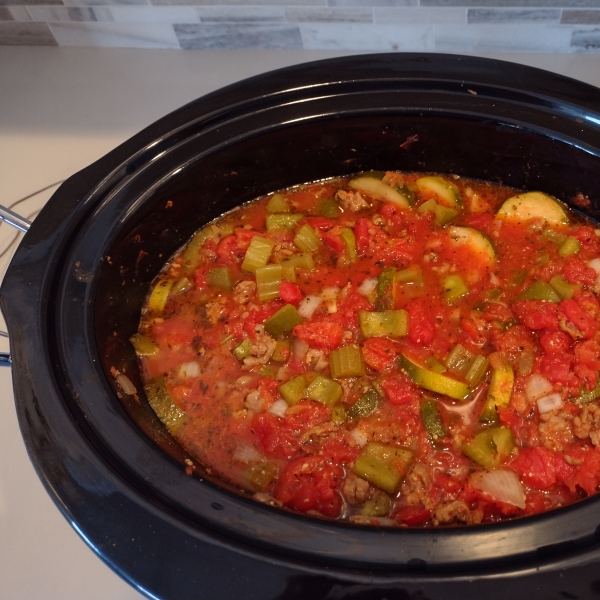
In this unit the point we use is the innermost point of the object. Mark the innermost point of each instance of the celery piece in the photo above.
(499, 393)
(393, 323)
(258, 253)
(377, 473)
(159, 295)
(242, 350)
(554, 236)
(282, 221)
(162, 404)
(283, 321)
(221, 278)
(259, 476)
(268, 281)
(294, 390)
(503, 440)
(296, 261)
(143, 345)
(307, 239)
(544, 259)
(365, 405)
(482, 449)
(433, 364)
(191, 254)
(346, 361)
(427, 206)
(383, 466)
(348, 236)
(379, 505)
(454, 288)
(570, 246)
(324, 390)
(476, 370)
(563, 288)
(338, 414)
(489, 447)
(267, 371)
(540, 290)
(278, 204)
(443, 215)
(459, 360)
(182, 285)
(434, 382)
(282, 351)
(385, 280)
(328, 208)
(430, 415)
(517, 278)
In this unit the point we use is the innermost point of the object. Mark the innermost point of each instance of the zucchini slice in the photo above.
(533, 205)
(379, 190)
(475, 240)
(446, 193)
(434, 382)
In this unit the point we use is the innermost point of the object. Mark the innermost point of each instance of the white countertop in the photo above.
(61, 109)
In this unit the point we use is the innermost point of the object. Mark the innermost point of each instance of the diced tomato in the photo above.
(290, 292)
(588, 353)
(555, 342)
(588, 239)
(362, 235)
(321, 222)
(587, 473)
(348, 308)
(588, 303)
(413, 515)
(277, 440)
(320, 333)
(576, 271)
(514, 341)
(421, 330)
(535, 467)
(228, 250)
(306, 414)
(508, 417)
(310, 483)
(338, 451)
(494, 311)
(578, 317)
(174, 332)
(379, 353)
(481, 221)
(335, 242)
(556, 367)
(536, 314)
(400, 389)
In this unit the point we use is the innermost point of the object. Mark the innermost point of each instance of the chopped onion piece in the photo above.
(501, 484)
(189, 370)
(299, 349)
(126, 384)
(330, 296)
(359, 437)
(548, 403)
(537, 387)
(307, 307)
(247, 454)
(367, 286)
(595, 264)
(278, 408)
(253, 401)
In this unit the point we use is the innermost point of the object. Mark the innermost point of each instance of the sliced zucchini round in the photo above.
(533, 205)
(475, 240)
(445, 192)
(379, 190)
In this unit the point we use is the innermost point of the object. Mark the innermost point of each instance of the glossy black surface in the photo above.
(74, 290)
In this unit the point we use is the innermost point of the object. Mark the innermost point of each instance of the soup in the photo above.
(390, 349)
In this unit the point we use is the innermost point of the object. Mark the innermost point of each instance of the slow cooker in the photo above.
(73, 293)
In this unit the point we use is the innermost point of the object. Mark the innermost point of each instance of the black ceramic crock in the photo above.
(73, 293)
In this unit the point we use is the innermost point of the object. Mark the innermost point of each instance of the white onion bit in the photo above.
(501, 484)
(299, 349)
(367, 286)
(247, 454)
(126, 384)
(189, 370)
(278, 408)
(550, 402)
(595, 264)
(307, 307)
(537, 387)
(359, 437)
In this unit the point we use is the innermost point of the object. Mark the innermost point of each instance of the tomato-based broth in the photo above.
(389, 349)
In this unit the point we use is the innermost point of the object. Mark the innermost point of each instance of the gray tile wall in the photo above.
(386, 25)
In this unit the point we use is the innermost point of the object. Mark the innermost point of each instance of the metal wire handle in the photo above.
(15, 220)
